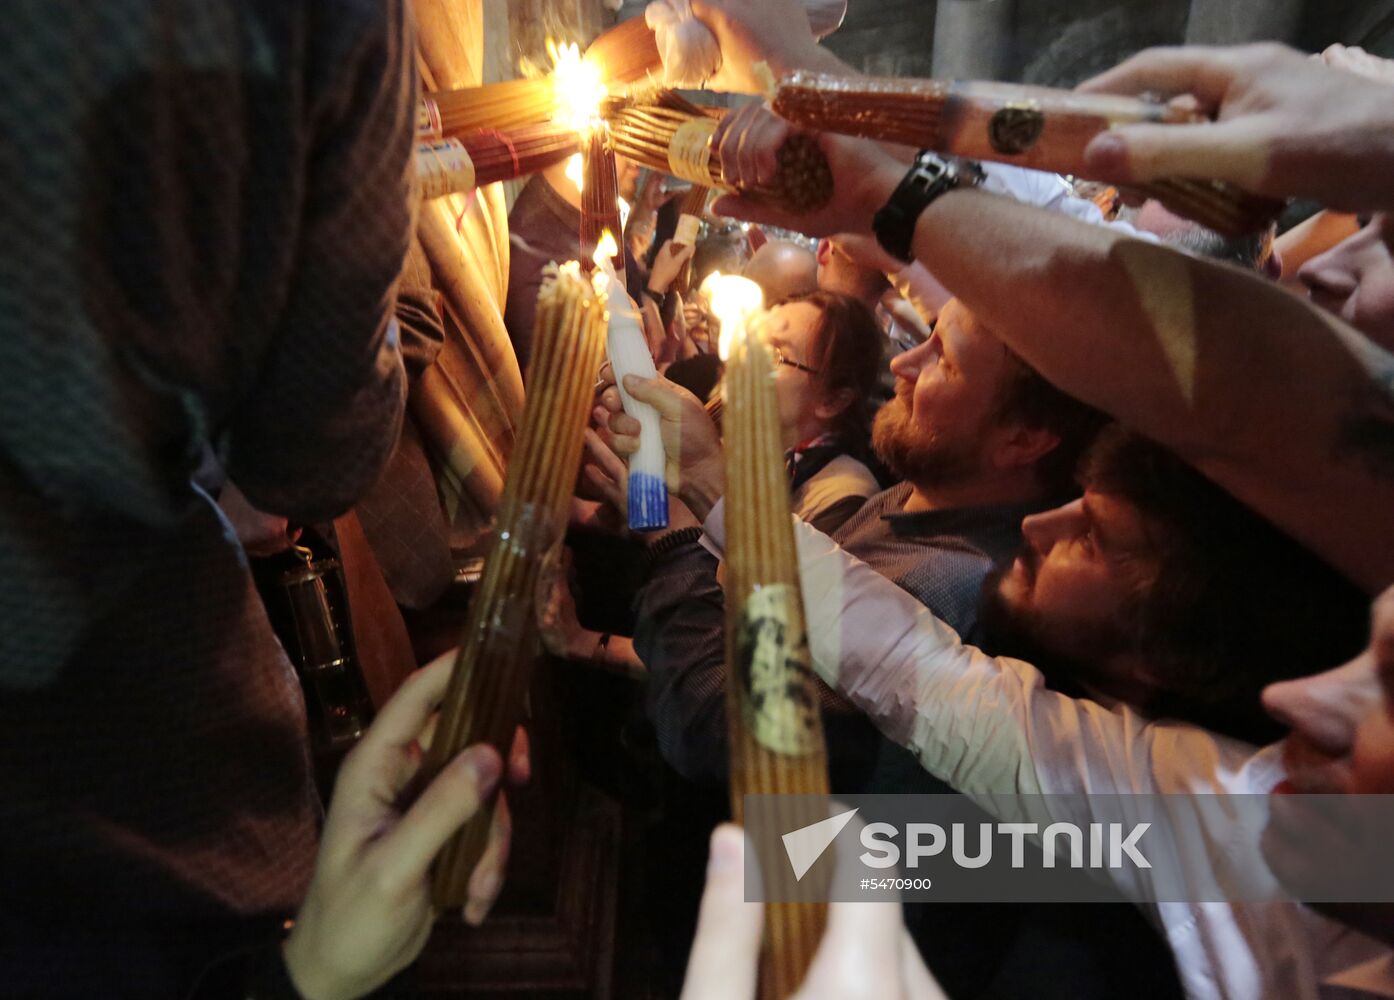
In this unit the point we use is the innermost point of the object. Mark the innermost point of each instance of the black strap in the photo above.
(894, 225)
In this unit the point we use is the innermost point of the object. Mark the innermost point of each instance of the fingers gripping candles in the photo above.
(629, 355)
(494, 666)
(1036, 127)
(772, 701)
(671, 134)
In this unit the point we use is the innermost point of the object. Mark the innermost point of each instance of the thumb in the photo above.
(726, 950)
(657, 393)
(1137, 154)
(448, 801)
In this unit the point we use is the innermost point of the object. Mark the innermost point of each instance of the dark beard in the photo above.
(1004, 631)
(912, 457)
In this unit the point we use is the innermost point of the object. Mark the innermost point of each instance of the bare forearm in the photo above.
(1282, 405)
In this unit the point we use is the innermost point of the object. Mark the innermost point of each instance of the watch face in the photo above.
(780, 695)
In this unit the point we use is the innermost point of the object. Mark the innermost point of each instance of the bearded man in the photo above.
(980, 442)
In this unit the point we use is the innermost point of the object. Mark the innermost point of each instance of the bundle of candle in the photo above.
(694, 203)
(689, 227)
(600, 200)
(663, 135)
(1034, 127)
(457, 164)
(505, 105)
(494, 665)
(772, 703)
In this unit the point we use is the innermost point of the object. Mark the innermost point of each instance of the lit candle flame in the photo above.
(579, 89)
(624, 212)
(575, 173)
(606, 249)
(734, 300)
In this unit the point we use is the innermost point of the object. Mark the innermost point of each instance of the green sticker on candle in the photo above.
(781, 706)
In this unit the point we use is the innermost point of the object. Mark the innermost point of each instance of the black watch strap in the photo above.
(657, 549)
(929, 177)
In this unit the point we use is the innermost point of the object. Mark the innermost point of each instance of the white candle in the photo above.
(629, 355)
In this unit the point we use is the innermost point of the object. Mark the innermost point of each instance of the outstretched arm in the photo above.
(1284, 125)
(1281, 404)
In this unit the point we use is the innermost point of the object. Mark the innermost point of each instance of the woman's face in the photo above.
(791, 330)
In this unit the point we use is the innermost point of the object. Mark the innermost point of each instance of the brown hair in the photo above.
(1029, 399)
(1234, 604)
(847, 351)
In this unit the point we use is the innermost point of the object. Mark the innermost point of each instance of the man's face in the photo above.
(840, 272)
(1070, 590)
(1342, 742)
(946, 397)
(1355, 280)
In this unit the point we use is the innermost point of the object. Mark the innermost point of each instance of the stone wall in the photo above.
(1061, 43)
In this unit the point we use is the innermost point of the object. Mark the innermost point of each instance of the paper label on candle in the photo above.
(428, 123)
(444, 168)
(690, 152)
(773, 663)
(687, 229)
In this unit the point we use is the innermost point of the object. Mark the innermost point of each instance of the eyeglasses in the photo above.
(781, 359)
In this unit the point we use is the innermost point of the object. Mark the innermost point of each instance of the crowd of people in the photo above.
(1088, 500)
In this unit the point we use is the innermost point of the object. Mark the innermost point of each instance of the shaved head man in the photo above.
(783, 270)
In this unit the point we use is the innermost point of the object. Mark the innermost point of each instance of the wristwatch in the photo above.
(930, 176)
(666, 543)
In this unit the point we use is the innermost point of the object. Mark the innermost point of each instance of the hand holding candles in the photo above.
(494, 664)
(681, 139)
(629, 355)
(772, 703)
(671, 44)
(1036, 127)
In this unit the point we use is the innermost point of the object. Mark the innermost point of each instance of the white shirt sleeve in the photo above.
(987, 725)
(990, 728)
(1052, 192)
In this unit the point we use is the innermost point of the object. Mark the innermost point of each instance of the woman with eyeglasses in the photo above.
(828, 358)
